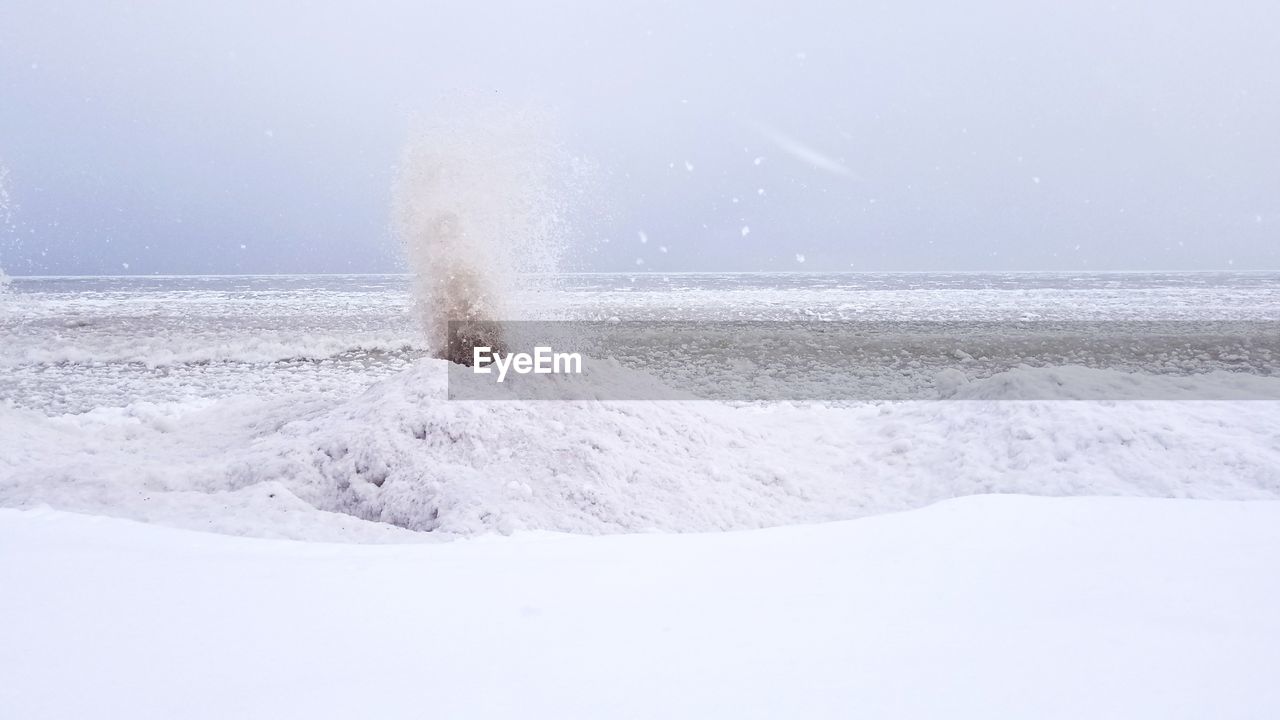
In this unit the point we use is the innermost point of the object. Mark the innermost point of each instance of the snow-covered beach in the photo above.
(981, 555)
(305, 408)
(639, 359)
(992, 606)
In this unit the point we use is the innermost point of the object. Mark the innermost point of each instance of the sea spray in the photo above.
(7, 229)
(480, 206)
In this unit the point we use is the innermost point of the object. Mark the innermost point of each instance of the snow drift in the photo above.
(401, 456)
(1008, 607)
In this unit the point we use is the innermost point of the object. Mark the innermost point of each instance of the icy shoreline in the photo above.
(400, 456)
(220, 404)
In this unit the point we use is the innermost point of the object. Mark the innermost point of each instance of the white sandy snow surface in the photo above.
(993, 606)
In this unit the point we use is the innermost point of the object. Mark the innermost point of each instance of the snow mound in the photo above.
(402, 454)
(403, 457)
(166, 463)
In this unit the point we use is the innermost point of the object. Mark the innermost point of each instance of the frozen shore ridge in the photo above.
(400, 457)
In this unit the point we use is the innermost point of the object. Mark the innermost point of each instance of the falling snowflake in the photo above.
(662, 248)
(639, 261)
(746, 231)
(799, 258)
(644, 238)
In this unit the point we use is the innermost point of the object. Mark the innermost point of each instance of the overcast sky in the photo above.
(262, 137)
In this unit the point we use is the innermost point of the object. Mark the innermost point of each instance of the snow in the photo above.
(400, 453)
(984, 607)
(266, 395)
(1005, 548)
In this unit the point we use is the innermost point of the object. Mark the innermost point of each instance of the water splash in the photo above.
(480, 206)
(7, 227)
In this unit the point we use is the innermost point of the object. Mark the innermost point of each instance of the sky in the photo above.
(264, 137)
